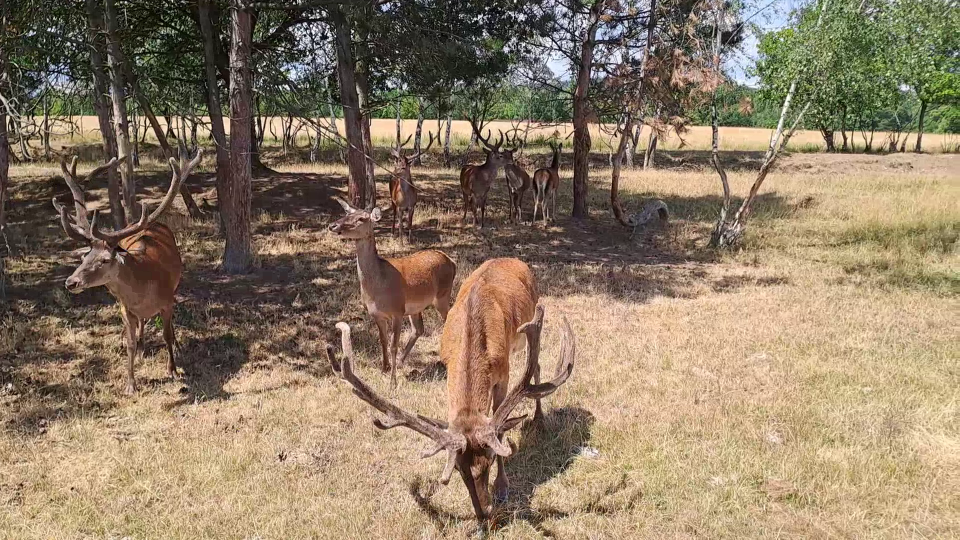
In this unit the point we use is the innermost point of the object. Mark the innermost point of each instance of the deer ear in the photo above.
(376, 214)
(120, 254)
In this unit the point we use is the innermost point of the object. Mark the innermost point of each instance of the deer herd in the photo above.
(495, 313)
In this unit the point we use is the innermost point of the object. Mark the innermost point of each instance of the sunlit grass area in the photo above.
(806, 386)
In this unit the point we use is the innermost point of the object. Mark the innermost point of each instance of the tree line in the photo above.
(632, 64)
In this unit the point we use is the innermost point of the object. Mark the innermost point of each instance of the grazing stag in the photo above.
(140, 264)
(394, 288)
(475, 180)
(485, 325)
(518, 182)
(403, 194)
(546, 182)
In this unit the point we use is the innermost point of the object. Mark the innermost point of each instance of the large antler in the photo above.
(396, 151)
(424, 150)
(501, 421)
(180, 172)
(453, 443)
(486, 140)
(79, 227)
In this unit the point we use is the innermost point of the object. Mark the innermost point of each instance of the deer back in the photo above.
(480, 334)
(151, 271)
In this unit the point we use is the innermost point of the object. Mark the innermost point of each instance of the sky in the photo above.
(766, 14)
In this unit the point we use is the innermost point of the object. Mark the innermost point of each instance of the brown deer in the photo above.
(394, 288)
(485, 325)
(546, 182)
(475, 180)
(140, 264)
(403, 194)
(518, 182)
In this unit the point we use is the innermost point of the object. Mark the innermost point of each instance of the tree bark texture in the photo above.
(346, 75)
(118, 92)
(923, 112)
(102, 106)
(581, 126)
(236, 193)
(418, 135)
(214, 108)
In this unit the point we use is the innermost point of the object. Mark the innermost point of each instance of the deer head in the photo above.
(357, 224)
(101, 264)
(493, 152)
(471, 450)
(403, 162)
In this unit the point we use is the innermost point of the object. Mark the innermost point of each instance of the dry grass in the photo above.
(806, 387)
(697, 138)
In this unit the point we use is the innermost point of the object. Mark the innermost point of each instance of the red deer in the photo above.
(140, 264)
(546, 182)
(475, 180)
(392, 289)
(486, 324)
(518, 182)
(403, 194)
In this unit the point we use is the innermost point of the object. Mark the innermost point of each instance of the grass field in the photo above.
(807, 386)
(697, 138)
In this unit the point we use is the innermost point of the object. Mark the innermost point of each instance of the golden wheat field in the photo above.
(696, 138)
(807, 386)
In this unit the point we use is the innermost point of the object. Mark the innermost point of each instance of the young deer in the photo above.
(394, 288)
(485, 325)
(475, 180)
(518, 182)
(140, 265)
(403, 194)
(546, 182)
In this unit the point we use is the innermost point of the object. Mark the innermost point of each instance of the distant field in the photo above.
(698, 137)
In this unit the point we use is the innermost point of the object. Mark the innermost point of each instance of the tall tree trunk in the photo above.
(923, 112)
(363, 97)
(346, 75)
(650, 154)
(214, 108)
(136, 137)
(418, 134)
(399, 119)
(446, 142)
(581, 127)
(4, 143)
(118, 92)
(45, 135)
(235, 194)
(828, 139)
(333, 119)
(625, 135)
(101, 104)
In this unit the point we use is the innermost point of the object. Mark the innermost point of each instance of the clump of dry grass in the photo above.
(806, 386)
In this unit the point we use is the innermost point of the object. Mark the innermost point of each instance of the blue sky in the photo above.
(765, 14)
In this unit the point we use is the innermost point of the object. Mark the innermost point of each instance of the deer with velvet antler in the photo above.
(495, 314)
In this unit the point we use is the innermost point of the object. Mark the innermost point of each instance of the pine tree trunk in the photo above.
(363, 97)
(118, 92)
(650, 155)
(923, 112)
(101, 104)
(828, 139)
(352, 120)
(235, 198)
(4, 146)
(214, 107)
(418, 135)
(446, 142)
(581, 127)
(45, 135)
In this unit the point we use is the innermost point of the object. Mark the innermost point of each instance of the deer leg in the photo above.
(396, 219)
(382, 328)
(442, 305)
(399, 223)
(170, 339)
(501, 485)
(140, 336)
(536, 203)
(417, 322)
(410, 223)
(397, 324)
(130, 322)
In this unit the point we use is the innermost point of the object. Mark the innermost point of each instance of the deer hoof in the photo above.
(130, 389)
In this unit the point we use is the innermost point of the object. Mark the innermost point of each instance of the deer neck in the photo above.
(369, 262)
(489, 168)
(126, 287)
(555, 162)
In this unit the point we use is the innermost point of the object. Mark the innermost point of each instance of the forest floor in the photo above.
(806, 386)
